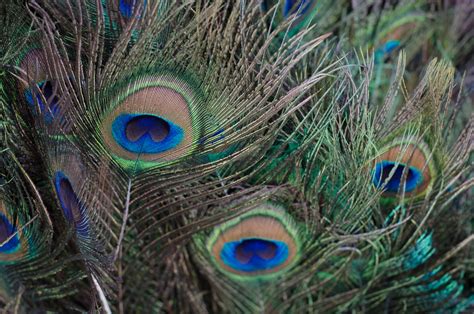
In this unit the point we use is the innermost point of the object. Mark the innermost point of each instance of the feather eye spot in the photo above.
(258, 245)
(389, 176)
(254, 254)
(14, 243)
(8, 236)
(72, 207)
(139, 126)
(403, 168)
(387, 48)
(127, 7)
(154, 120)
(36, 85)
(50, 109)
(300, 7)
(390, 46)
(146, 133)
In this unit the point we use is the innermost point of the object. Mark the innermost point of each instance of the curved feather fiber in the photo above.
(299, 13)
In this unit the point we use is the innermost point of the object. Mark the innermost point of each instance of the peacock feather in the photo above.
(236, 156)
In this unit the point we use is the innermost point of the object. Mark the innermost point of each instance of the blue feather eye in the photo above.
(36, 85)
(6, 231)
(255, 254)
(17, 247)
(300, 7)
(73, 209)
(387, 48)
(146, 133)
(303, 9)
(154, 120)
(213, 138)
(217, 137)
(403, 165)
(50, 109)
(390, 46)
(388, 175)
(258, 245)
(127, 7)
